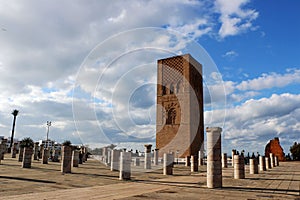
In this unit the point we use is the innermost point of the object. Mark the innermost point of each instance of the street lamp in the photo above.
(48, 124)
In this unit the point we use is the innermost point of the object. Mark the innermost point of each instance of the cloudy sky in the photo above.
(90, 68)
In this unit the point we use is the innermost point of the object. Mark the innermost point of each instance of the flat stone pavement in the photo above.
(282, 182)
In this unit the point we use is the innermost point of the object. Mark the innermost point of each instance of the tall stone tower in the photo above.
(179, 118)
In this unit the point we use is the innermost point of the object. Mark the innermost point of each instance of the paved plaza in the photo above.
(92, 180)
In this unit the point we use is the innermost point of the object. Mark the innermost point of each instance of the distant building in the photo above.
(274, 147)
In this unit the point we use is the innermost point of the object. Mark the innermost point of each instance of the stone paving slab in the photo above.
(96, 182)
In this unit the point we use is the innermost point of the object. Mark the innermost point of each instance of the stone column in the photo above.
(66, 159)
(136, 162)
(268, 163)
(27, 156)
(35, 151)
(75, 158)
(188, 161)
(41, 150)
(2, 149)
(80, 157)
(108, 158)
(125, 166)
(168, 164)
(14, 150)
(45, 156)
(115, 160)
(224, 160)
(239, 167)
(21, 153)
(194, 163)
(272, 160)
(233, 152)
(262, 163)
(55, 155)
(214, 165)
(253, 166)
(148, 156)
(200, 156)
(104, 154)
(155, 157)
(276, 160)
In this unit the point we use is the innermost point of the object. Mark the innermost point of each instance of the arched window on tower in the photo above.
(171, 116)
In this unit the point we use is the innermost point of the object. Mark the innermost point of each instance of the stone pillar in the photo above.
(224, 160)
(80, 158)
(2, 149)
(262, 163)
(14, 150)
(75, 158)
(201, 157)
(21, 152)
(148, 156)
(35, 151)
(155, 157)
(214, 165)
(168, 164)
(233, 152)
(108, 158)
(253, 166)
(272, 160)
(276, 160)
(188, 161)
(268, 163)
(41, 150)
(66, 159)
(104, 154)
(27, 156)
(55, 155)
(115, 160)
(239, 167)
(136, 162)
(45, 156)
(125, 166)
(194, 163)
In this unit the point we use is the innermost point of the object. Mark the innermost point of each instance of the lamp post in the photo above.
(48, 124)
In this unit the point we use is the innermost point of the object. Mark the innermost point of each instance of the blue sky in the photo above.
(86, 65)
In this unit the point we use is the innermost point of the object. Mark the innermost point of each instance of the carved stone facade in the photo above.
(274, 147)
(179, 122)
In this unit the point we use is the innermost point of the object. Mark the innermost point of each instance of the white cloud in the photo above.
(271, 80)
(234, 18)
(230, 54)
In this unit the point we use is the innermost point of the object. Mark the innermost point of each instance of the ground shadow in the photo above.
(27, 179)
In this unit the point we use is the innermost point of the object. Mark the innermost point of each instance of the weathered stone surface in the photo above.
(147, 156)
(194, 164)
(35, 151)
(75, 158)
(21, 153)
(115, 160)
(66, 159)
(179, 121)
(168, 164)
(224, 160)
(274, 147)
(27, 156)
(45, 156)
(239, 167)
(125, 166)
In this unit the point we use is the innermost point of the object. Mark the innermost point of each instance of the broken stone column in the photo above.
(108, 158)
(136, 162)
(253, 166)
(262, 163)
(27, 156)
(148, 156)
(41, 150)
(75, 158)
(115, 160)
(2, 149)
(125, 166)
(168, 164)
(194, 163)
(14, 150)
(21, 152)
(188, 161)
(239, 167)
(45, 156)
(155, 157)
(277, 160)
(80, 157)
(272, 160)
(268, 163)
(214, 165)
(35, 151)
(224, 160)
(201, 156)
(233, 152)
(66, 159)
